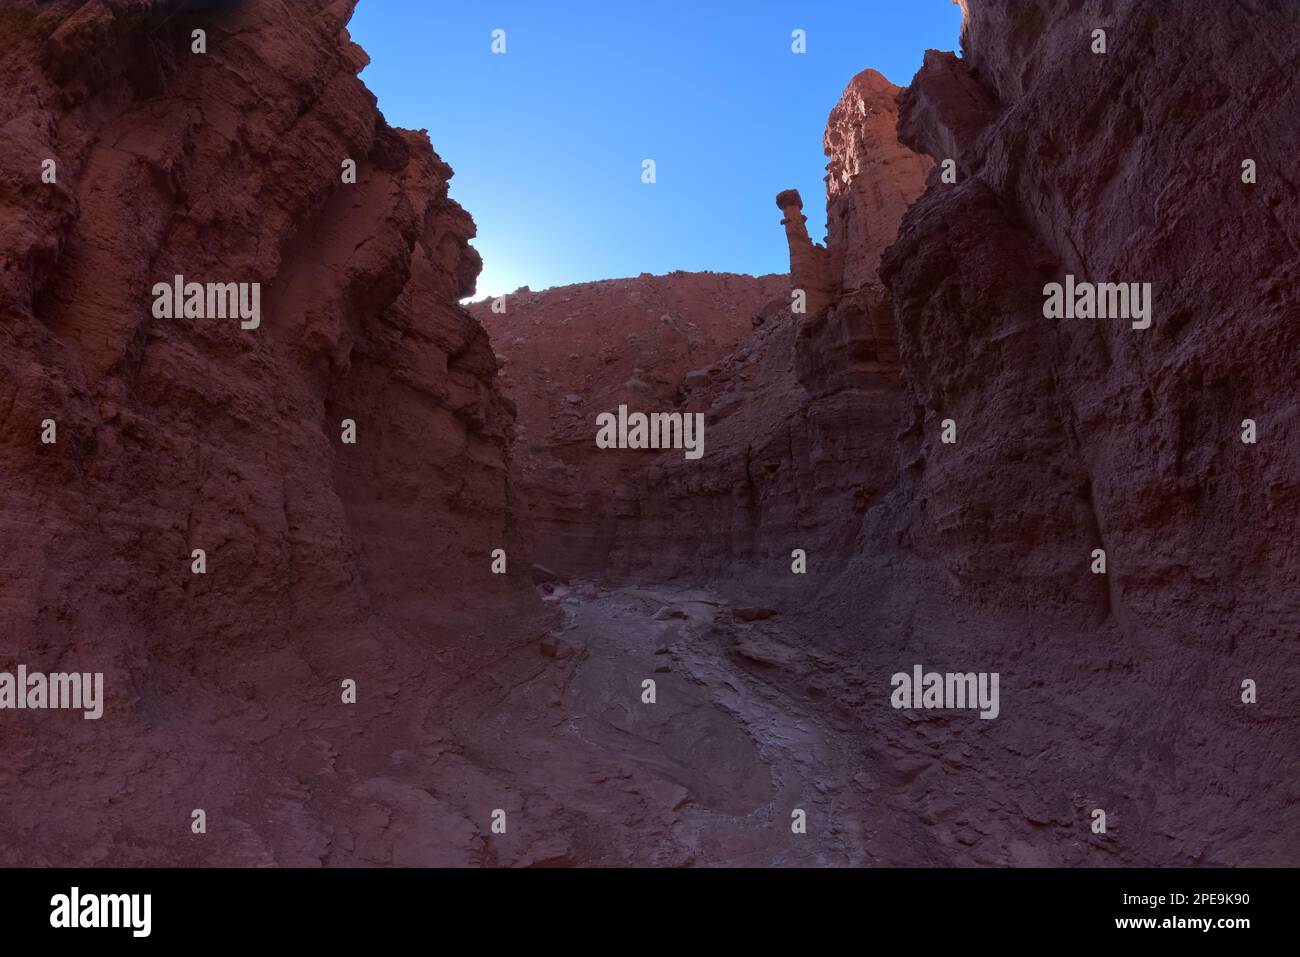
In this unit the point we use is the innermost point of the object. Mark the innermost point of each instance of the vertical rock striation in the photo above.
(1081, 434)
(871, 179)
(1166, 160)
(324, 561)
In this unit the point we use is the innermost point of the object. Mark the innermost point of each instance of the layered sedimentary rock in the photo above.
(791, 417)
(809, 266)
(570, 353)
(792, 410)
(1165, 160)
(129, 441)
(1109, 167)
(871, 179)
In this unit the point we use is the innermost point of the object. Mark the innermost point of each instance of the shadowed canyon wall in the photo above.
(1088, 433)
(324, 560)
(572, 352)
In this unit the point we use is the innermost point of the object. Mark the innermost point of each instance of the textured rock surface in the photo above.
(801, 415)
(324, 561)
(801, 425)
(1086, 433)
(871, 179)
(1118, 692)
(573, 352)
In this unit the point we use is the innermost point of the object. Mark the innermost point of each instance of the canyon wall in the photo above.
(1125, 166)
(1084, 434)
(801, 410)
(324, 560)
(573, 352)
(128, 440)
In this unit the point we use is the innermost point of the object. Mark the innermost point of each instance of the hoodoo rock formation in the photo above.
(809, 272)
(871, 179)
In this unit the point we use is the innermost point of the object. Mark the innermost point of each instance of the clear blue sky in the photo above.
(547, 140)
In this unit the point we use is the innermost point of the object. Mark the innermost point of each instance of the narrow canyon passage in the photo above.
(362, 574)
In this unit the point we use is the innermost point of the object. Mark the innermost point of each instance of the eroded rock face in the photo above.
(324, 560)
(1091, 170)
(1088, 433)
(792, 416)
(1119, 692)
(571, 353)
(871, 179)
(793, 411)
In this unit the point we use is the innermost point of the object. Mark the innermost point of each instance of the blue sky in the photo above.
(547, 139)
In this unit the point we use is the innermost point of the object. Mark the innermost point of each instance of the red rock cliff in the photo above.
(573, 352)
(1120, 691)
(1086, 433)
(794, 409)
(324, 560)
(871, 179)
